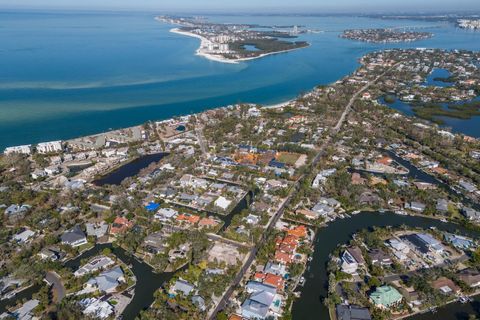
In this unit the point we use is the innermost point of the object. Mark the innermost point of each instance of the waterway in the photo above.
(129, 170)
(469, 127)
(68, 74)
(310, 305)
(147, 280)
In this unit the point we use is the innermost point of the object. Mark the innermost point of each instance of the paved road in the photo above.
(57, 286)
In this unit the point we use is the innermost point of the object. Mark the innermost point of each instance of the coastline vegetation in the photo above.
(432, 111)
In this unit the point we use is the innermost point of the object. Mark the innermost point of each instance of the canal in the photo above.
(129, 170)
(310, 304)
(147, 280)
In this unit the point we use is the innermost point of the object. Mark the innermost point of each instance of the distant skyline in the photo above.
(260, 6)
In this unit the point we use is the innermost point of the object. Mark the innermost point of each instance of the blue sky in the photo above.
(264, 5)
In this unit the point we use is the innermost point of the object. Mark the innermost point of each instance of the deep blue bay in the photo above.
(65, 74)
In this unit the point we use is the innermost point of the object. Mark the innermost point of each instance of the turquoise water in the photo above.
(63, 74)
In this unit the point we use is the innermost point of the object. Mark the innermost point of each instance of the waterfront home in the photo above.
(275, 268)
(181, 286)
(49, 147)
(24, 149)
(467, 186)
(386, 297)
(459, 242)
(309, 214)
(207, 223)
(351, 260)
(96, 308)
(352, 312)
(155, 243)
(400, 249)
(323, 210)
(470, 276)
(424, 243)
(471, 214)
(74, 237)
(223, 203)
(446, 286)
(96, 264)
(379, 257)
(51, 253)
(257, 305)
(416, 206)
(25, 312)
(96, 230)
(107, 281)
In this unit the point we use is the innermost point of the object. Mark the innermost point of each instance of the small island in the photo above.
(233, 43)
(384, 35)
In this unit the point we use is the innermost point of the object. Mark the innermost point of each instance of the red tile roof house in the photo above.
(190, 218)
(283, 258)
(120, 225)
(274, 280)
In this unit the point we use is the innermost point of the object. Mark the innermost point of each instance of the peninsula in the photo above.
(385, 35)
(233, 43)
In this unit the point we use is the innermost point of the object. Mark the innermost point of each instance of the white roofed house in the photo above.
(351, 260)
(48, 147)
(25, 149)
(222, 203)
(24, 236)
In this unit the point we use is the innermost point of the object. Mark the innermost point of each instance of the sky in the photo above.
(254, 5)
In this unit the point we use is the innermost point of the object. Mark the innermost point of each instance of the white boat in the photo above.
(444, 220)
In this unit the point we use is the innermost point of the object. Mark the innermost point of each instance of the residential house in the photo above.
(446, 286)
(352, 312)
(470, 276)
(74, 237)
(386, 297)
(183, 287)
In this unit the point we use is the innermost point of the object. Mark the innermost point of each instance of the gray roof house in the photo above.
(108, 280)
(183, 287)
(345, 312)
(74, 237)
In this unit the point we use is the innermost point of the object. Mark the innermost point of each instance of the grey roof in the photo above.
(183, 286)
(73, 235)
(255, 286)
(253, 309)
(199, 302)
(345, 312)
(263, 297)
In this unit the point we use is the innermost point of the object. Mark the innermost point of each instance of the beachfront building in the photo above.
(48, 147)
(25, 149)
(386, 297)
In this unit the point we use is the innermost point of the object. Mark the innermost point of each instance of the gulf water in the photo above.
(68, 74)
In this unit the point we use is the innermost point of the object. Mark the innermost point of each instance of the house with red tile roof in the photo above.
(189, 218)
(282, 257)
(299, 232)
(275, 281)
(120, 225)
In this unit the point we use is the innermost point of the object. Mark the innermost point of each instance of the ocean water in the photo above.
(67, 74)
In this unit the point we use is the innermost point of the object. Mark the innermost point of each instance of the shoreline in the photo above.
(221, 59)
